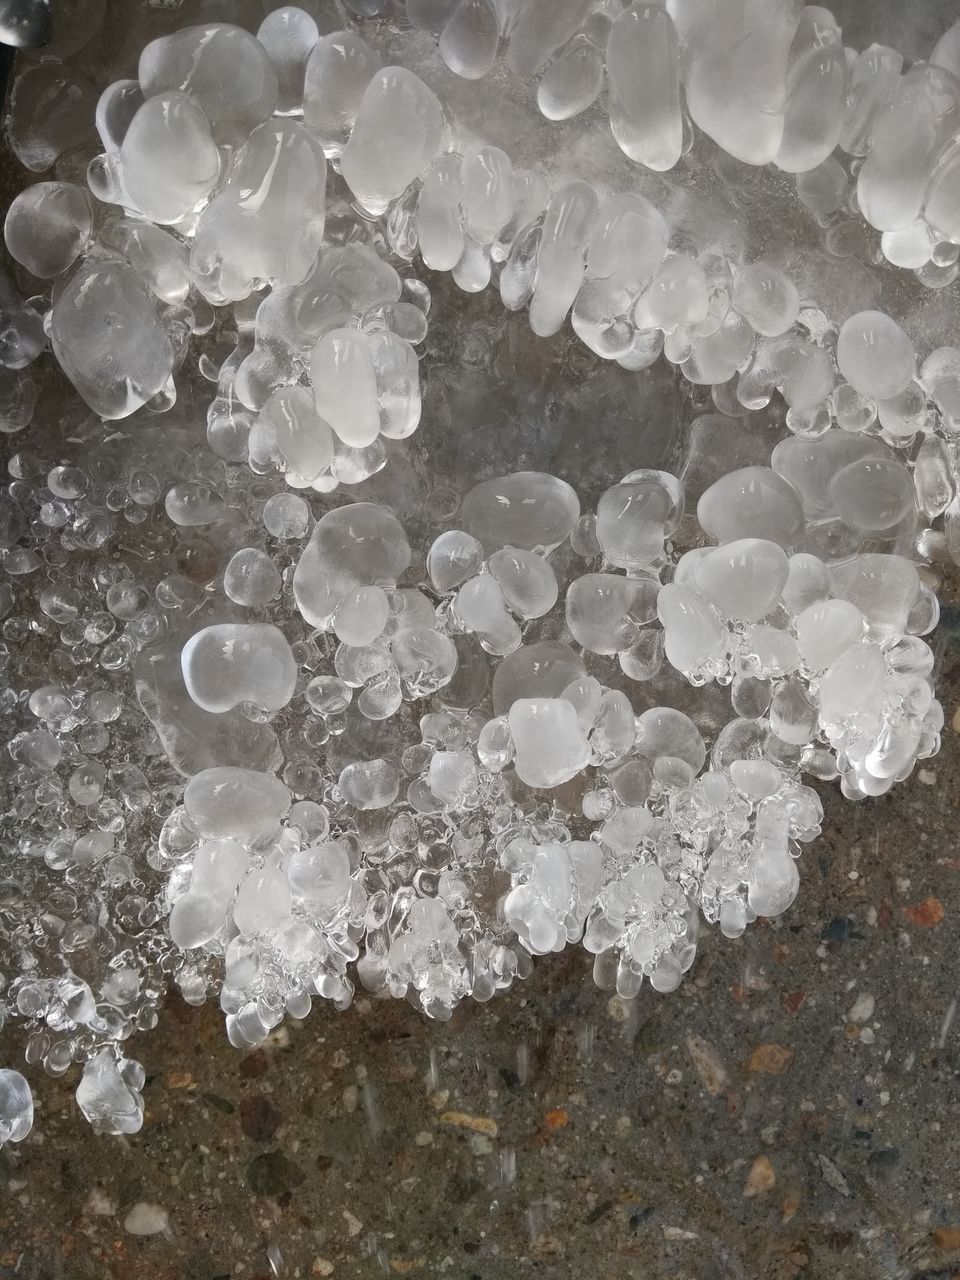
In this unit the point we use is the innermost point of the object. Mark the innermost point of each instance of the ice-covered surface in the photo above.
(544, 634)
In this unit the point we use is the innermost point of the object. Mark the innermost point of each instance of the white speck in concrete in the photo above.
(862, 1008)
(146, 1220)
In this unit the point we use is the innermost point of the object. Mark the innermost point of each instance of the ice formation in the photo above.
(282, 719)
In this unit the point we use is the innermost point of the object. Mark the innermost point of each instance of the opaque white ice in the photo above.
(233, 663)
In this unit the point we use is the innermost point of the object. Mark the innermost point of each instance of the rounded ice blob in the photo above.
(753, 502)
(47, 227)
(233, 663)
(526, 509)
(16, 1107)
(875, 355)
(360, 545)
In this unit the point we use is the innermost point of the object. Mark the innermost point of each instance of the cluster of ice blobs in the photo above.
(801, 98)
(470, 772)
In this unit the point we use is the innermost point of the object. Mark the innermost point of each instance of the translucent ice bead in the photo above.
(628, 242)
(495, 745)
(907, 134)
(397, 375)
(251, 578)
(397, 134)
(600, 318)
(372, 784)
(169, 163)
(426, 661)
(636, 516)
(852, 684)
(793, 713)
(192, 504)
(223, 68)
(542, 27)
(572, 82)
(566, 229)
(875, 355)
(550, 744)
(743, 579)
(16, 1107)
(807, 582)
(288, 35)
(338, 71)
(873, 78)
(677, 296)
(359, 545)
(469, 39)
(117, 106)
(717, 356)
(911, 246)
(753, 502)
(320, 875)
(158, 256)
(767, 298)
(108, 1094)
(232, 663)
(199, 915)
(664, 731)
(345, 386)
(527, 581)
(26, 26)
(290, 422)
(816, 93)
(827, 629)
(755, 779)
(452, 776)
(108, 338)
(940, 377)
(51, 111)
(604, 610)
(439, 220)
(526, 509)
(883, 587)
(940, 209)
(736, 72)
(361, 616)
(454, 557)
(47, 227)
(264, 899)
(694, 634)
(873, 494)
(486, 175)
(643, 71)
(774, 882)
(233, 803)
(933, 477)
(480, 607)
(614, 729)
(644, 659)
(244, 241)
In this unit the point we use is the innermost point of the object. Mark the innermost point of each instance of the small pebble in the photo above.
(146, 1220)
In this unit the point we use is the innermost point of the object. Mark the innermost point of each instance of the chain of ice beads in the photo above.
(745, 331)
(534, 913)
(801, 97)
